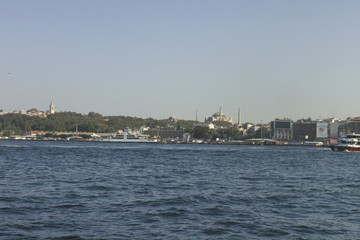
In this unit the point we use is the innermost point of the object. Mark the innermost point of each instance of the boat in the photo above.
(74, 138)
(315, 144)
(127, 137)
(349, 143)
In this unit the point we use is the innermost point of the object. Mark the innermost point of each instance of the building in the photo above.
(173, 119)
(334, 126)
(165, 133)
(52, 108)
(219, 117)
(304, 131)
(206, 124)
(281, 129)
(352, 125)
(247, 128)
(322, 130)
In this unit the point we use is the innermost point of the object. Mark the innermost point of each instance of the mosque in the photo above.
(219, 117)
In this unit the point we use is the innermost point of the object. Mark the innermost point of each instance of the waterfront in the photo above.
(92, 190)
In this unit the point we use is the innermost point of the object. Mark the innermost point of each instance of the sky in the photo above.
(160, 58)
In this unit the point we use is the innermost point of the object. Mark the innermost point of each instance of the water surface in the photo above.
(64, 190)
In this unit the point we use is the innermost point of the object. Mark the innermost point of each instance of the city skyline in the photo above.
(219, 115)
(273, 59)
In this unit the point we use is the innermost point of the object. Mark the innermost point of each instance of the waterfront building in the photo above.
(304, 130)
(334, 126)
(352, 125)
(165, 133)
(281, 129)
(322, 130)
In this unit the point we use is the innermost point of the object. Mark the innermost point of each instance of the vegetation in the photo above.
(95, 122)
(262, 132)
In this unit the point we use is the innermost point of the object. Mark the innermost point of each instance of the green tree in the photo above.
(262, 132)
(222, 124)
(201, 132)
(94, 115)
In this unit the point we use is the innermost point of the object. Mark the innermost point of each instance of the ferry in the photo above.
(126, 137)
(349, 143)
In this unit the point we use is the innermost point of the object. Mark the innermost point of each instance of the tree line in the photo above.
(94, 122)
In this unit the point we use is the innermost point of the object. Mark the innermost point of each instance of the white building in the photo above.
(209, 125)
(334, 128)
(52, 108)
(321, 130)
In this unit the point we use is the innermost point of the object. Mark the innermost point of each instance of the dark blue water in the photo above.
(62, 190)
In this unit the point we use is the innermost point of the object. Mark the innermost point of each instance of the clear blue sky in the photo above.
(150, 58)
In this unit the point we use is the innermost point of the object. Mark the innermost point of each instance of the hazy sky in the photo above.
(150, 58)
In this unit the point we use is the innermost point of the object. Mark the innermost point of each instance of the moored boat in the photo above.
(127, 137)
(349, 143)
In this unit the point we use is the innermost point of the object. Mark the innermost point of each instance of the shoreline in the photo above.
(245, 143)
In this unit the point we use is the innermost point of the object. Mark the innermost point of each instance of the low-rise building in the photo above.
(247, 129)
(165, 133)
(205, 124)
(281, 129)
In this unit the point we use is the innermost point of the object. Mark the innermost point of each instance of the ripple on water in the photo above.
(123, 191)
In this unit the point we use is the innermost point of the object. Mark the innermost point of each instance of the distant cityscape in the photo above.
(280, 129)
(33, 111)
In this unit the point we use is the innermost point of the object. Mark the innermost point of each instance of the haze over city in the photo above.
(271, 59)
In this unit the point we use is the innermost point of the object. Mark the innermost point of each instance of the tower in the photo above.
(52, 108)
(239, 116)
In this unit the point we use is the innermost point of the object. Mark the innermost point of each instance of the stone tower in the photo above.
(52, 108)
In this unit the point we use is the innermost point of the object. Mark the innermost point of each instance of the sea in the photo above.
(92, 190)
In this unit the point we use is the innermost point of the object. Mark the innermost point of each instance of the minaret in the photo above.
(52, 108)
(196, 115)
(239, 117)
